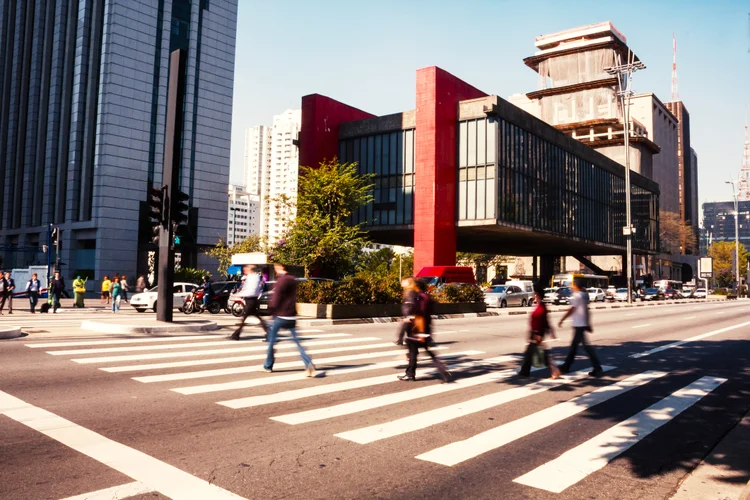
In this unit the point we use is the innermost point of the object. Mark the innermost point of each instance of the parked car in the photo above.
(652, 294)
(144, 301)
(672, 294)
(596, 295)
(504, 296)
(699, 293)
(610, 292)
(621, 295)
(558, 295)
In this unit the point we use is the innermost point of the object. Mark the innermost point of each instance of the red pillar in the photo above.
(319, 133)
(438, 95)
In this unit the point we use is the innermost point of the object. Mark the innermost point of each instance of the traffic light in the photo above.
(157, 212)
(55, 235)
(179, 212)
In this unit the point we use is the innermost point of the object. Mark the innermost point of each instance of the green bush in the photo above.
(721, 291)
(454, 293)
(190, 275)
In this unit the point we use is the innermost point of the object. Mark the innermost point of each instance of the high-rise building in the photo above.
(272, 165)
(243, 216)
(718, 222)
(688, 175)
(83, 104)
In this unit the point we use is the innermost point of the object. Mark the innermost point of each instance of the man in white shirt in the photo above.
(252, 286)
(579, 309)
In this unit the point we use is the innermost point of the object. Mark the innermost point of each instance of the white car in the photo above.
(596, 295)
(147, 300)
(621, 295)
(699, 293)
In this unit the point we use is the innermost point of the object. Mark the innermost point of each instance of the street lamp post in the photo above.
(624, 74)
(736, 234)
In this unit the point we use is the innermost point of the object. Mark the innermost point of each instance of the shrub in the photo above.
(455, 293)
(721, 291)
(190, 275)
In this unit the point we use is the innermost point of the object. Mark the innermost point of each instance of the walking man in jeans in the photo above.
(284, 308)
(33, 287)
(579, 309)
(56, 289)
(251, 289)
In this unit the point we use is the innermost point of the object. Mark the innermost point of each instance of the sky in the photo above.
(366, 54)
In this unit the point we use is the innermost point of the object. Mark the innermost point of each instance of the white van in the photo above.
(526, 286)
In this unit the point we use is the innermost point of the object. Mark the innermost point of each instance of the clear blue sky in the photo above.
(366, 54)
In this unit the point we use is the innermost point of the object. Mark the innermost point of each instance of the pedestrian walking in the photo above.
(140, 284)
(579, 309)
(10, 286)
(284, 308)
(32, 289)
(419, 334)
(116, 294)
(55, 290)
(79, 290)
(105, 289)
(540, 327)
(3, 287)
(125, 288)
(252, 285)
(410, 293)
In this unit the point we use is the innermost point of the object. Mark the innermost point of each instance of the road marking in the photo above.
(460, 451)
(206, 352)
(249, 369)
(691, 339)
(390, 399)
(194, 345)
(576, 464)
(115, 492)
(307, 392)
(279, 379)
(642, 326)
(689, 317)
(439, 415)
(155, 474)
(630, 314)
(122, 341)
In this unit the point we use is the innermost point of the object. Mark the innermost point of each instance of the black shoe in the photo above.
(564, 369)
(406, 378)
(447, 377)
(523, 373)
(234, 337)
(596, 372)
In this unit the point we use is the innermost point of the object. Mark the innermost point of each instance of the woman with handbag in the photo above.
(539, 328)
(419, 334)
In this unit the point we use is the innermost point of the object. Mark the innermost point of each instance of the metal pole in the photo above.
(234, 225)
(737, 241)
(629, 240)
(49, 253)
(399, 267)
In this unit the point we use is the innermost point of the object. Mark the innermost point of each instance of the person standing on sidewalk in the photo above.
(105, 290)
(579, 309)
(116, 294)
(10, 286)
(284, 308)
(32, 288)
(3, 287)
(251, 289)
(55, 290)
(539, 328)
(79, 290)
(125, 288)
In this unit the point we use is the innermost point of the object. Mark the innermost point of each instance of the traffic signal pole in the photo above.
(172, 140)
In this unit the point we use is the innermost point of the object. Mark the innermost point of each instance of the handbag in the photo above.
(537, 356)
(420, 324)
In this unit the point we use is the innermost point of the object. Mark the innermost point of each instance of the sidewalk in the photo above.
(725, 473)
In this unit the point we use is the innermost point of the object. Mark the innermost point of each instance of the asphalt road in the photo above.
(179, 418)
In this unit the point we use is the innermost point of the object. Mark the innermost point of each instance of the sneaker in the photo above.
(311, 370)
(268, 370)
(406, 378)
(596, 372)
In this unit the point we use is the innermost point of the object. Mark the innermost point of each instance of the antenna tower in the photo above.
(744, 184)
(675, 93)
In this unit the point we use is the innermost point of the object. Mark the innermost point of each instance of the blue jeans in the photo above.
(291, 325)
(205, 299)
(116, 303)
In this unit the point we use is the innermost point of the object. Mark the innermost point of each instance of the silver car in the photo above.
(504, 296)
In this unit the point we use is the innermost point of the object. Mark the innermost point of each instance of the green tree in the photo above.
(721, 252)
(320, 238)
(223, 253)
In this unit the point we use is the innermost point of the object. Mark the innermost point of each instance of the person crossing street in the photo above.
(56, 289)
(32, 288)
(579, 309)
(251, 289)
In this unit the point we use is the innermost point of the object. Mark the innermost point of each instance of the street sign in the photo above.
(706, 266)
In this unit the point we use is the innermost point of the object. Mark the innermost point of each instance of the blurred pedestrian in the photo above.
(79, 290)
(140, 284)
(419, 334)
(410, 293)
(56, 289)
(105, 289)
(125, 288)
(284, 308)
(116, 294)
(3, 287)
(10, 286)
(579, 309)
(252, 285)
(32, 289)
(539, 328)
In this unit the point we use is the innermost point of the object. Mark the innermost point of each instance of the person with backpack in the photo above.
(579, 309)
(32, 288)
(420, 334)
(539, 328)
(252, 285)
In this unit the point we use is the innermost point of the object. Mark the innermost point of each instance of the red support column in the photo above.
(319, 132)
(438, 95)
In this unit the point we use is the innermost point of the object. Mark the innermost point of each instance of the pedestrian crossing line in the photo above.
(206, 352)
(576, 464)
(439, 415)
(460, 451)
(688, 340)
(197, 345)
(116, 492)
(330, 371)
(307, 392)
(250, 369)
(78, 343)
(399, 397)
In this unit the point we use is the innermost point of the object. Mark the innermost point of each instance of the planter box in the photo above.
(340, 311)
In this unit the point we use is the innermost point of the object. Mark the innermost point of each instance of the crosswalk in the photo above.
(230, 374)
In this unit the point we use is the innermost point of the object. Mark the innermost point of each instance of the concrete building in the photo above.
(82, 124)
(688, 174)
(718, 222)
(258, 149)
(243, 216)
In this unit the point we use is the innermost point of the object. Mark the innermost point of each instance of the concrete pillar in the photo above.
(546, 269)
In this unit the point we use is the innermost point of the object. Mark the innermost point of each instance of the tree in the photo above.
(721, 252)
(223, 253)
(674, 235)
(320, 238)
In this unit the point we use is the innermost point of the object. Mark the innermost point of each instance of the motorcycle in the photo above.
(194, 303)
(238, 306)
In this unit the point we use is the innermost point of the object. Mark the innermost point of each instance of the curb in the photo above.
(183, 327)
(10, 333)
